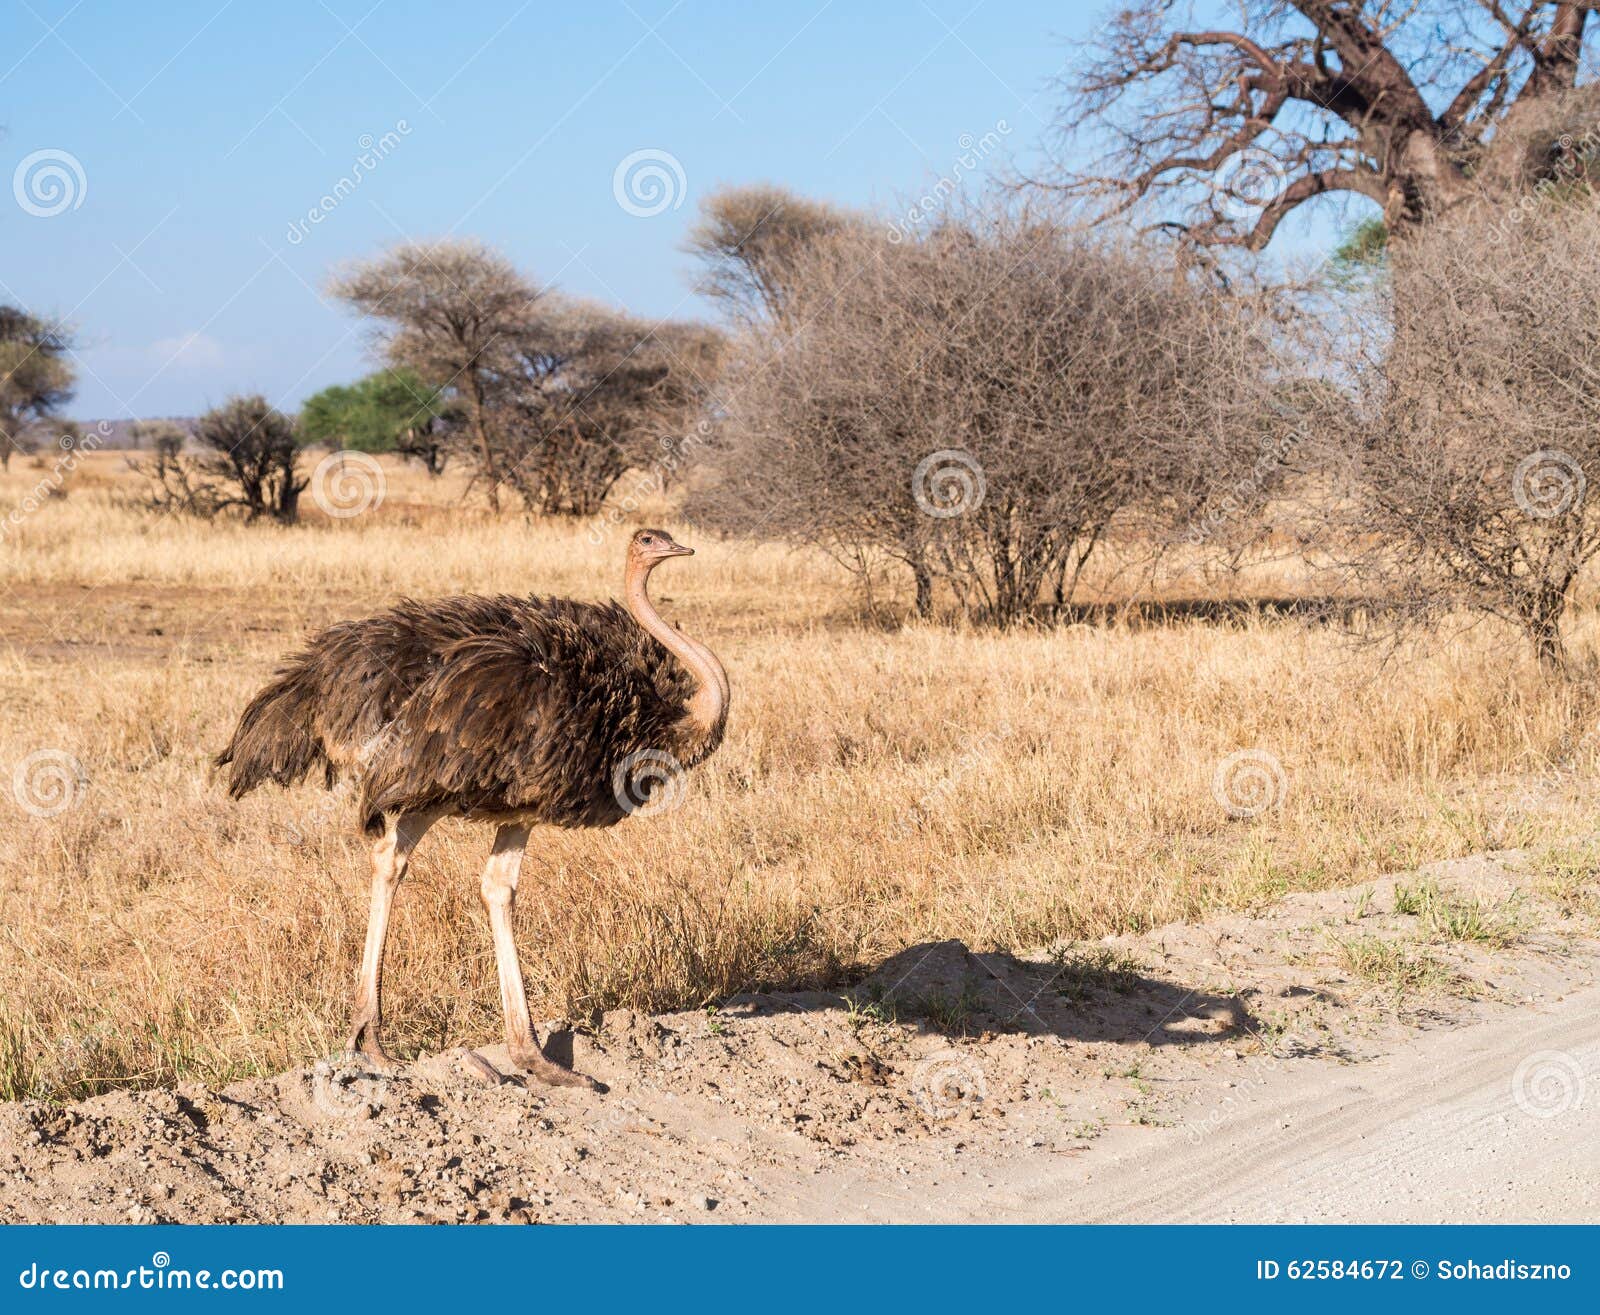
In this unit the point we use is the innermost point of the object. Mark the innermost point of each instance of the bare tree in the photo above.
(250, 463)
(592, 393)
(981, 404)
(1479, 440)
(36, 377)
(1218, 133)
(450, 310)
(747, 241)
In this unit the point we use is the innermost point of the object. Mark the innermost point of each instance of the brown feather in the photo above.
(482, 706)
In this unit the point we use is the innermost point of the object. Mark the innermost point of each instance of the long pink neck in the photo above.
(708, 706)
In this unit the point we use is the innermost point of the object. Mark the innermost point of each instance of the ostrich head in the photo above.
(647, 547)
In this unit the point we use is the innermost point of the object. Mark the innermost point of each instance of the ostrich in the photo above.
(515, 711)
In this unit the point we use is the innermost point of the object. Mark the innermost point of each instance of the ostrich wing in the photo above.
(528, 721)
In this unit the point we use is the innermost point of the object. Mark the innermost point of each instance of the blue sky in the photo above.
(199, 132)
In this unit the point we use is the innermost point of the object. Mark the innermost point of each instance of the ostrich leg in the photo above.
(389, 859)
(499, 897)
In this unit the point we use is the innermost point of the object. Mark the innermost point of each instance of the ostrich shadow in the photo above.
(943, 988)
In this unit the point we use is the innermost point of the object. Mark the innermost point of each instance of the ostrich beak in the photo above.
(678, 550)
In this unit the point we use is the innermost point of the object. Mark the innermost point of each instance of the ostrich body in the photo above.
(515, 711)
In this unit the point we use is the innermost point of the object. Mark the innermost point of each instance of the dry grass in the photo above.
(879, 787)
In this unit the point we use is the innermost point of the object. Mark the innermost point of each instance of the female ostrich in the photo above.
(516, 711)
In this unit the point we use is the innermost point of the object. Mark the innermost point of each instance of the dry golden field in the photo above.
(880, 785)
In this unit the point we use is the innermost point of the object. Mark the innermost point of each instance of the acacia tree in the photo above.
(448, 310)
(1216, 134)
(36, 377)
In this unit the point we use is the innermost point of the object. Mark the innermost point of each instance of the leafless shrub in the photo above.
(1479, 426)
(983, 405)
(249, 462)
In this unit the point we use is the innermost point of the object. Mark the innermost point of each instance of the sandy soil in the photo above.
(1243, 1069)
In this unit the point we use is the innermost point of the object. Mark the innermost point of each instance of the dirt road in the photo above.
(1332, 1058)
(1495, 1122)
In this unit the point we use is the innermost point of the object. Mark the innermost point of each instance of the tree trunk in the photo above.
(480, 435)
(1543, 622)
(1424, 184)
(924, 579)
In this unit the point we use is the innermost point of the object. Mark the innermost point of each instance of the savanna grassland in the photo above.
(883, 782)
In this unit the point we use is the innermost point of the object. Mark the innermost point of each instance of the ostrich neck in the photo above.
(708, 706)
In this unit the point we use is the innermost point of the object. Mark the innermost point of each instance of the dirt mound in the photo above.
(939, 1087)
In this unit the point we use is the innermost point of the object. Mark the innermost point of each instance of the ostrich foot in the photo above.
(364, 1044)
(532, 1061)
